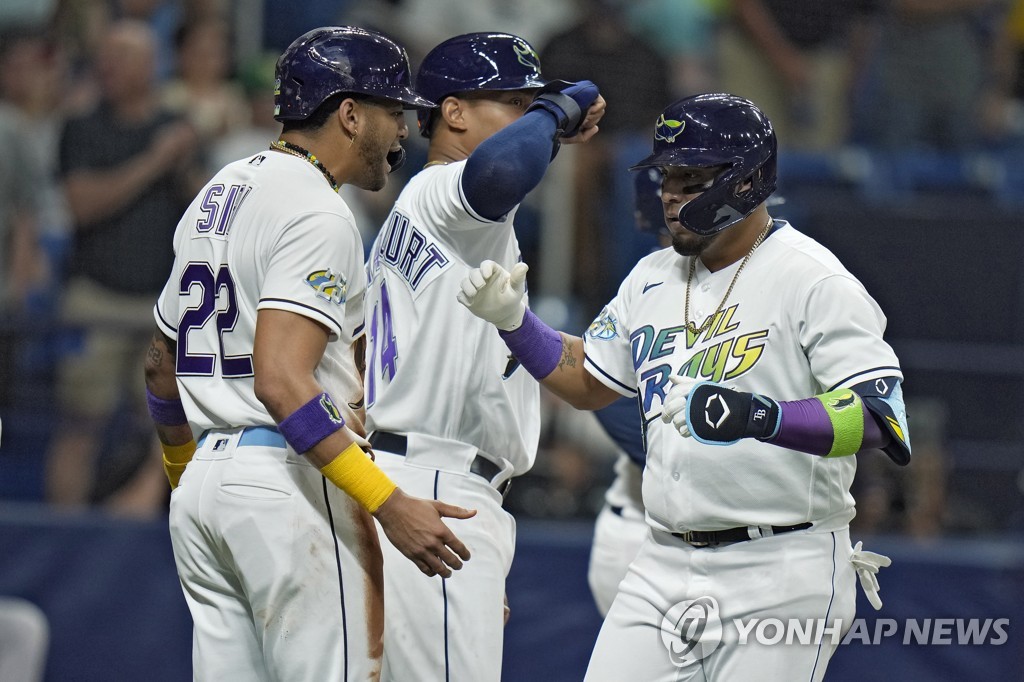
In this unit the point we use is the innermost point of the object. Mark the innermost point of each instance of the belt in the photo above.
(398, 444)
(266, 436)
(712, 538)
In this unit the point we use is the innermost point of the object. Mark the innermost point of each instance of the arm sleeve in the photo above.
(507, 165)
(314, 268)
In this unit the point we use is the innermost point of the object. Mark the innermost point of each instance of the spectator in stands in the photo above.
(122, 167)
(800, 60)
(600, 47)
(22, 175)
(684, 32)
(203, 91)
(937, 66)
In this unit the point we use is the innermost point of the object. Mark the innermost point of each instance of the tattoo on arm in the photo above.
(155, 356)
(568, 357)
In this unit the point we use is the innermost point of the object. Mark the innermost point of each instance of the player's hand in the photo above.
(716, 415)
(867, 564)
(494, 294)
(414, 527)
(589, 126)
(569, 103)
(507, 612)
(674, 406)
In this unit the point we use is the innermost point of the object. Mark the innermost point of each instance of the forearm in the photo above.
(166, 409)
(571, 382)
(94, 195)
(556, 360)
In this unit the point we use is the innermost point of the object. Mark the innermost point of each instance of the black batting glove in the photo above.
(716, 415)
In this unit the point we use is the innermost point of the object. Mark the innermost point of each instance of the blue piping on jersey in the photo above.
(341, 583)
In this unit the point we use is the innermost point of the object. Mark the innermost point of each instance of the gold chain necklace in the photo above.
(690, 326)
(296, 150)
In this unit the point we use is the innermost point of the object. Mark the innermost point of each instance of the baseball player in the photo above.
(620, 528)
(255, 353)
(451, 414)
(759, 365)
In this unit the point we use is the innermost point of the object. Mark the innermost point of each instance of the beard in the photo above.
(373, 149)
(687, 243)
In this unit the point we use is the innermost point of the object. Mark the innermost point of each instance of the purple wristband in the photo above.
(537, 346)
(805, 427)
(165, 412)
(311, 423)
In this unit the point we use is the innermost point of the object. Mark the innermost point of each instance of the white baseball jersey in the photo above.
(432, 367)
(280, 569)
(796, 324)
(265, 232)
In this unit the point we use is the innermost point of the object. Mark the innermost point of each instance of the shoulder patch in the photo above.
(329, 285)
(604, 328)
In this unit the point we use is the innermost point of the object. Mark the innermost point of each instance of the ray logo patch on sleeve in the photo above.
(329, 285)
(604, 327)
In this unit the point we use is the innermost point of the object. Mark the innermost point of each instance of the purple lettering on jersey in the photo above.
(209, 208)
(192, 363)
(412, 252)
(391, 245)
(196, 275)
(232, 366)
(434, 259)
(388, 344)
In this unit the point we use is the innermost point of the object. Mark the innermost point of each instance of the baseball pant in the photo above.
(793, 578)
(618, 535)
(448, 630)
(281, 570)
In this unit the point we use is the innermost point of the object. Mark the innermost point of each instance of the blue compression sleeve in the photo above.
(508, 164)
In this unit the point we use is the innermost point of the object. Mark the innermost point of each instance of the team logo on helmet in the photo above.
(668, 129)
(604, 327)
(526, 55)
(332, 411)
(329, 285)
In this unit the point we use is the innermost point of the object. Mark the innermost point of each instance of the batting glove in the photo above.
(494, 294)
(716, 415)
(567, 102)
(867, 564)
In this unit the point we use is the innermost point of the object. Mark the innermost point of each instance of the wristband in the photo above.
(354, 472)
(176, 458)
(537, 346)
(165, 412)
(311, 423)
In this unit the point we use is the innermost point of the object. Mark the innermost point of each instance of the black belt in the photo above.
(398, 444)
(711, 538)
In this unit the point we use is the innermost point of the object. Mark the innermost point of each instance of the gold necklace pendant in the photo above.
(690, 326)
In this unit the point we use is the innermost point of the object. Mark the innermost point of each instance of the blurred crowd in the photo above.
(113, 113)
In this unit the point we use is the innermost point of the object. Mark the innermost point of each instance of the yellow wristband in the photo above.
(176, 458)
(355, 473)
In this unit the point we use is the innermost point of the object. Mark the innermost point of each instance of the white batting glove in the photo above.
(674, 407)
(867, 565)
(494, 294)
